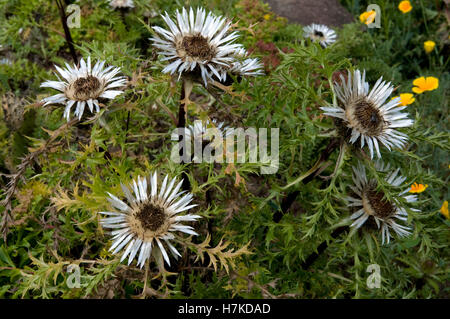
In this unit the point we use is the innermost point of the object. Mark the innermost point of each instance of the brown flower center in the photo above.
(318, 34)
(152, 217)
(375, 205)
(83, 89)
(366, 116)
(197, 47)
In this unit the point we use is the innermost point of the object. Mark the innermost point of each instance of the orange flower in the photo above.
(405, 6)
(367, 17)
(444, 209)
(423, 84)
(405, 99)
(418, 188)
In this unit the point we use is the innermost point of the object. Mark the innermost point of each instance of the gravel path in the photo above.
(328, 12)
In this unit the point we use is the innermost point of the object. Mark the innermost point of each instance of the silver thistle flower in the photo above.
(366, 113)
(196, 42)
(320, 33)
(84, 86)
(121, 3)
(244, 66)
(199, 129)
(372, 204)
(150, 219)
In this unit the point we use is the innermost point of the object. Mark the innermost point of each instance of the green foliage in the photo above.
(242, 251)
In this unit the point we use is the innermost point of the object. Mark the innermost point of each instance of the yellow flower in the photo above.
(405, 6)
(444, 209)
(418, 188)
(405, 99)
(429, 46)
(425, 84)
(367, 17)
(266, 16)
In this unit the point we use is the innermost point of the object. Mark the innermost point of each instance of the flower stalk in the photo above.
(67, 34)
(306, 178)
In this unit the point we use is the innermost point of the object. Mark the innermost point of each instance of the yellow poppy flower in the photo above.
(429, 46)
(423, 84)
(418, 188)
(405, 6)
(444, 209)
(405, 99)
(367, 17)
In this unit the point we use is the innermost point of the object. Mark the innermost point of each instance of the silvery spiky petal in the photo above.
(212, 132)
(200, 129)
(121, 3)
(248, 67)
(149, 219)
(370, 203)
(5, 61)
(198, 42)
(321, 33)
(367, 115)
(244, 66)
(83, 86)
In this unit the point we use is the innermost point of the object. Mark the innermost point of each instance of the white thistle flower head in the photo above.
(5, 61)
(196, 43)
(371, 203)
(121, 3)
(320, 33)
(209, 132)
(199, 130)
(248, 67)
(366, 114)
(244, 66)
(84, 86)
(148, 222)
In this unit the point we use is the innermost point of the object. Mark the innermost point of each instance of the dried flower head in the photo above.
(84, 86)
(320, 33)
(150, 219)
(370, 202)
(367, 115)
(197, 43)
(121, 3)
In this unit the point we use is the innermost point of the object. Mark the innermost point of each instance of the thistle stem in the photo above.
(305, 178)
(128, 122)
(123, 12)
(182, 110)
(147, 266)
(321, 248)
(186, 89)
(67, 34)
